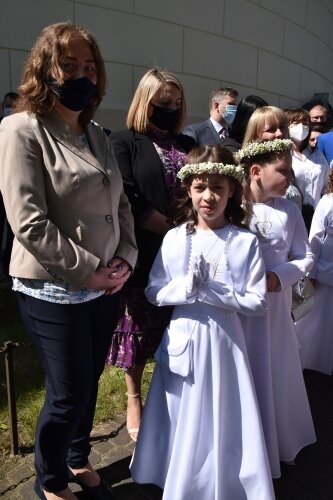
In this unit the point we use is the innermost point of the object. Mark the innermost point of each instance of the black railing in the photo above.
(8, 350)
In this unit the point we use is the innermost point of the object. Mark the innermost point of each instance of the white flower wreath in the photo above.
(235, 171)
(260, 148)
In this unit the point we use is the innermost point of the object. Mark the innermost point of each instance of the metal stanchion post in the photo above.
(9, 346)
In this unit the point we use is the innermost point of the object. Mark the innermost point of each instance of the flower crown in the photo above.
(235, 171)
(260, 148)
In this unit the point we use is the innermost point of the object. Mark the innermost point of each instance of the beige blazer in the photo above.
(64, 201)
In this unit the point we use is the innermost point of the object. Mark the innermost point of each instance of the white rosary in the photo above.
(210, 267)
(202, 271)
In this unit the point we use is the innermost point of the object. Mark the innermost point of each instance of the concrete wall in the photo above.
(281, 50)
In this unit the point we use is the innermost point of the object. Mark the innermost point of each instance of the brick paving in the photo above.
(310, 479)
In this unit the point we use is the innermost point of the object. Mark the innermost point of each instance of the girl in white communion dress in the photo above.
(201, 434)
(271, 340)
(314, 330)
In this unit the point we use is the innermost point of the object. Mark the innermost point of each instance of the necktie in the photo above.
(223, 133)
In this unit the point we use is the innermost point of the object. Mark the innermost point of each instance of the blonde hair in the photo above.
(267, 114)
(149, 85)
(47, 57)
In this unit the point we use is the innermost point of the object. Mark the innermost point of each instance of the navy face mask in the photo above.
(75, 93)
(165, 118)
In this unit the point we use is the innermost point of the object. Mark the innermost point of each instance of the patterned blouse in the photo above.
(173, 158)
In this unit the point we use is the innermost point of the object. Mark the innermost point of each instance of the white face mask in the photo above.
(298, 132)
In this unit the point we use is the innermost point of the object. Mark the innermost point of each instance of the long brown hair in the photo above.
(47, 56)
(184, 212)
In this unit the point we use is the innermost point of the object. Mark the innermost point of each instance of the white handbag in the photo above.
(303, 298)
(175, 351)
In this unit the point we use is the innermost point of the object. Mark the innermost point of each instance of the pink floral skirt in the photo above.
(139, 329)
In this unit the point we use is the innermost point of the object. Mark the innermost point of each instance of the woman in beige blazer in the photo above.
(74, 244)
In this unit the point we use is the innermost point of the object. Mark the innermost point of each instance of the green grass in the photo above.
(29, 381)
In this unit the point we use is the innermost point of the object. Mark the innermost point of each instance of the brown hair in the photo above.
(217, 95)
(46, 57)
(318, 127)
(329, 188)
(184, 211)
(297, 115)
(150, 83)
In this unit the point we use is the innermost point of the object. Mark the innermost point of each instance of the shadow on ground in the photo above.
(310, 479)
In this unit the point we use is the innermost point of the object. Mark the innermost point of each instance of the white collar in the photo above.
(218, 127)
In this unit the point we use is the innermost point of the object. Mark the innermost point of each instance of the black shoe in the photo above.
(99, 492)
(38, 490)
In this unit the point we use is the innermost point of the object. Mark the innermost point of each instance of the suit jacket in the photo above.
(231, 144)
(144, 184)
(64, 201)
(203, 133)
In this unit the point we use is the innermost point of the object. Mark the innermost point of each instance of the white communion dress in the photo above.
(201, 435)
(274, 358)
(314, 330)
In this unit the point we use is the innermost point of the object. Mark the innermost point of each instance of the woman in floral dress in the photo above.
(149, 153)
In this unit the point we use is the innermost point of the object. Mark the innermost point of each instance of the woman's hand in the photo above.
(157, 223)
(120, 272)
(111, 278)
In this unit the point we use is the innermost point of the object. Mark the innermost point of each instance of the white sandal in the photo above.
(133, 431)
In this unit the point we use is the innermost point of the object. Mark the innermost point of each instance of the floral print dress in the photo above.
(140, 326)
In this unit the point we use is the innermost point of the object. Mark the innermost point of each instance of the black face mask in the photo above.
(165, 118)
(76, 93)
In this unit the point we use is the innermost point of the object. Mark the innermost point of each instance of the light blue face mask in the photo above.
(229, 113)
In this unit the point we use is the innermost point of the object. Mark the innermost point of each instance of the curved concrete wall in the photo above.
(281, 50)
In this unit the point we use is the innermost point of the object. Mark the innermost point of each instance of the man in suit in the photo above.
(222, 109)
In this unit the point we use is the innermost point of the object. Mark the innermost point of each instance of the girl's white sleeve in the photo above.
(168, 284)
(321, 246)
(301, 258)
